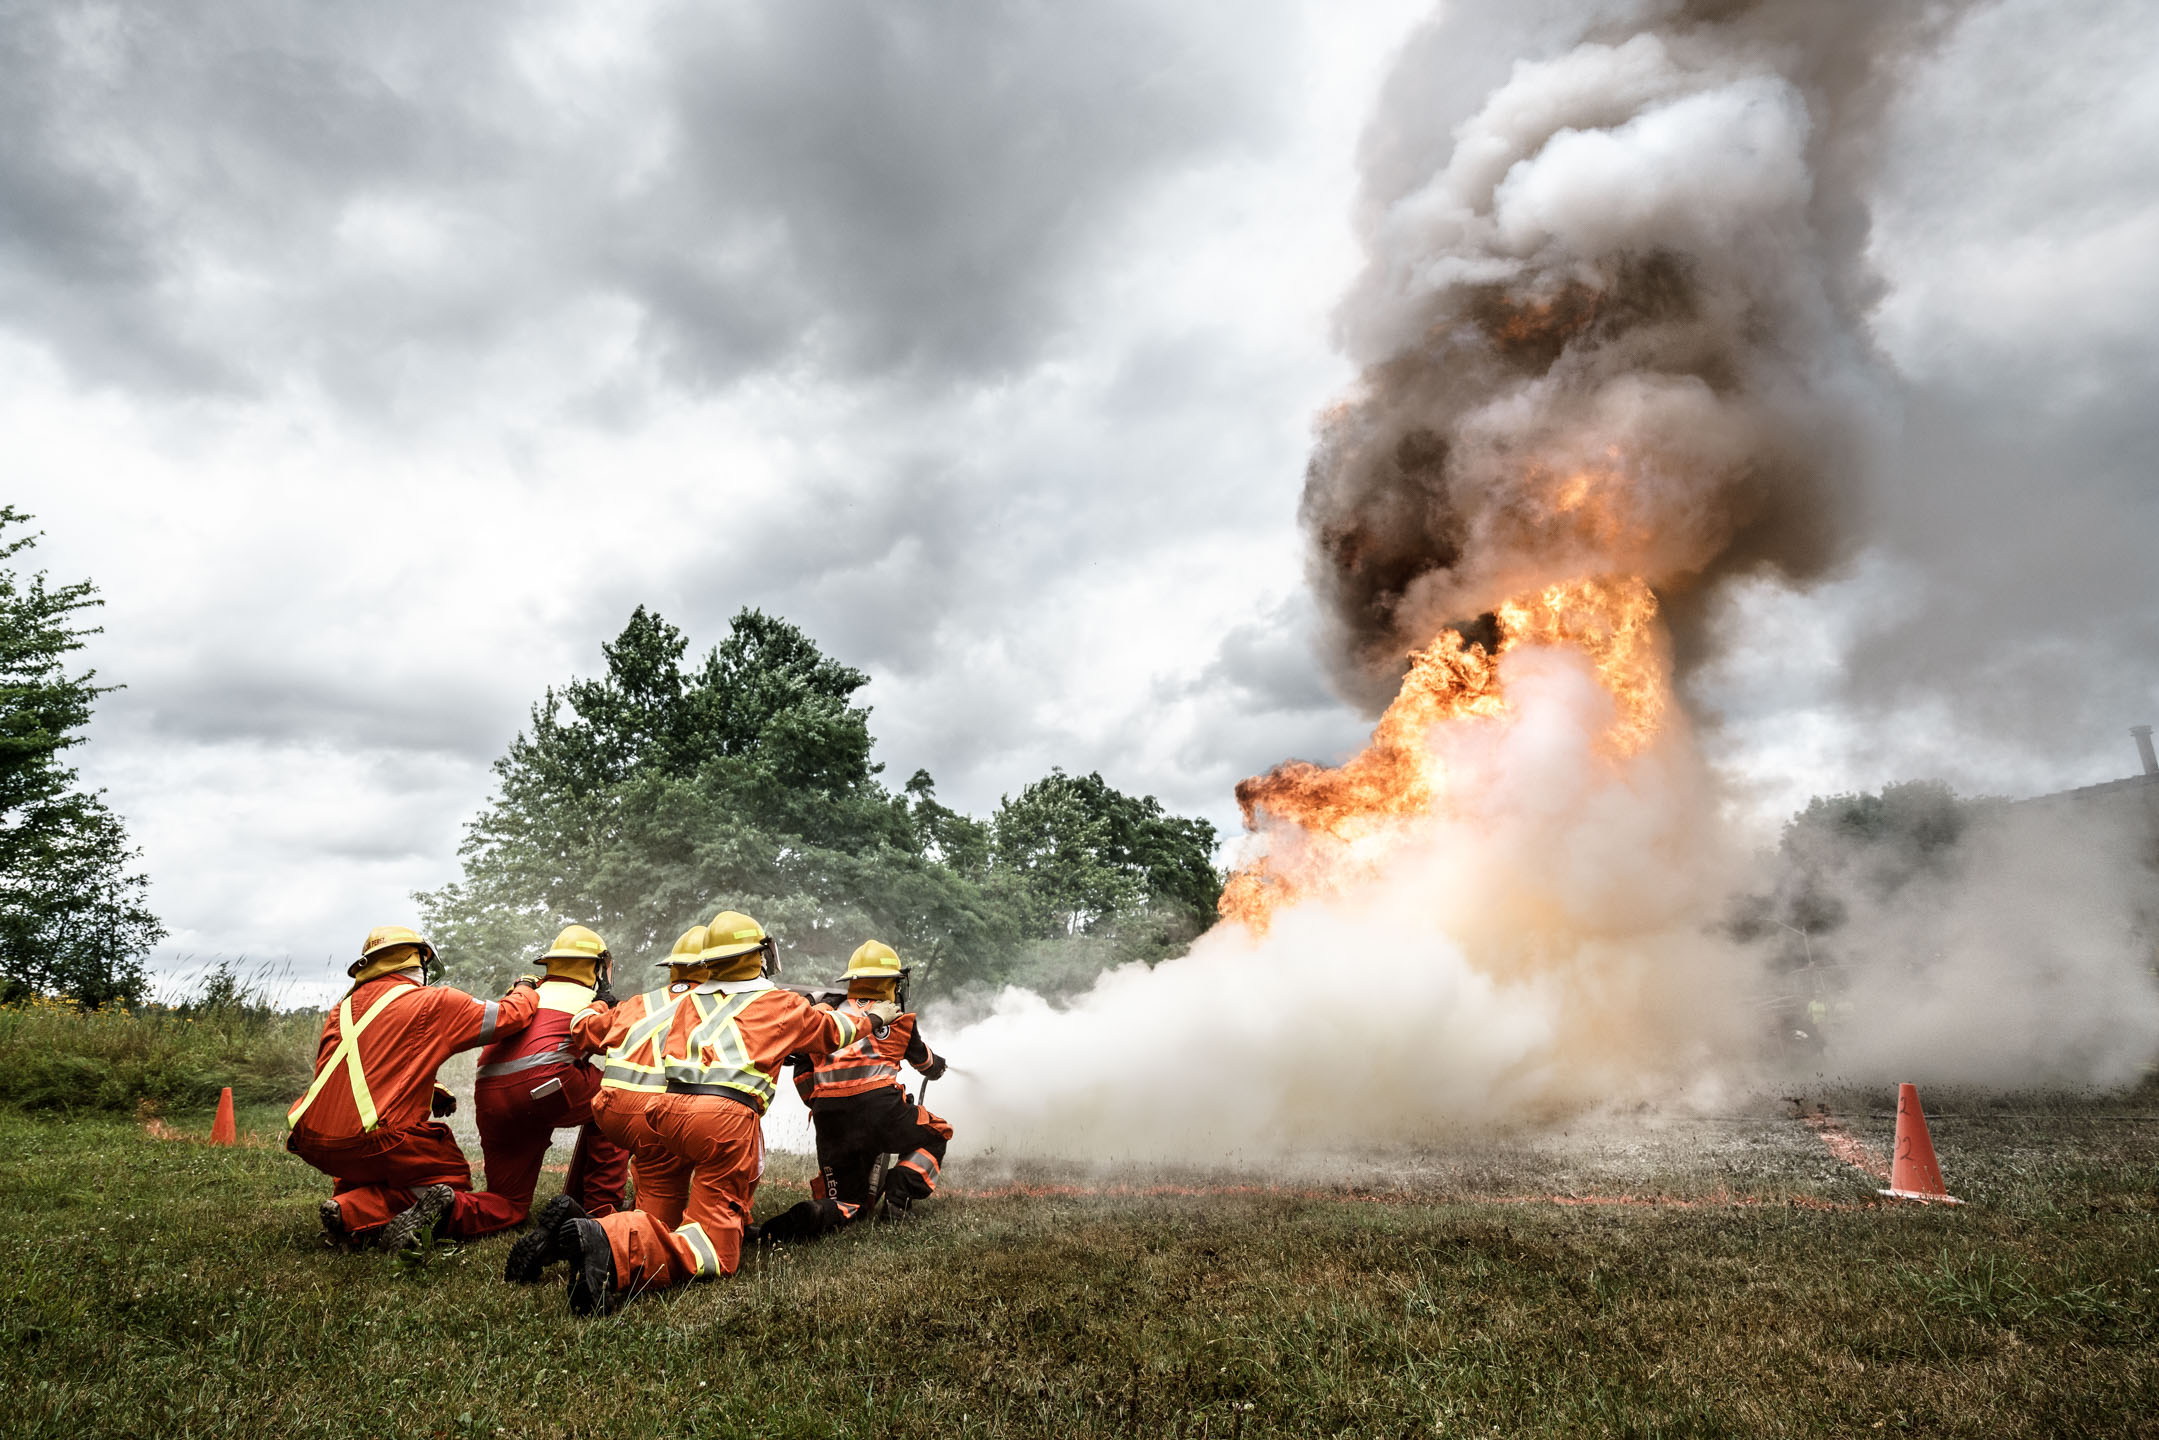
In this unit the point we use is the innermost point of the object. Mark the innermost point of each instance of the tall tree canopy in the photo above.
(73, 920)
(643, 799)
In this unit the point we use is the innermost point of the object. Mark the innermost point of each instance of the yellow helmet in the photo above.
(385, 938)
(873, 960)
(577, 943)
(731, 933)
(689, 948)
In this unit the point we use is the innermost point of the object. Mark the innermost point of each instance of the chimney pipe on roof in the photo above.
(2143, 735)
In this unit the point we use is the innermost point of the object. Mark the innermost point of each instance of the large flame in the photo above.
(1326, 827)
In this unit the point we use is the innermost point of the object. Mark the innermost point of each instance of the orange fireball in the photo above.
(1325, 826)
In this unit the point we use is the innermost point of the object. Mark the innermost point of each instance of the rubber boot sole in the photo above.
(592, 1270)
(536, 1250)
(406, 1229)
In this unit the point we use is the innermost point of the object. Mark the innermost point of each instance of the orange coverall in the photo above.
(630, 1076)
(724, 1048)
(378, 1160)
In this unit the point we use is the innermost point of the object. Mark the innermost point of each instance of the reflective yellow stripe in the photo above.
(719, 1036)
(618, 1069)
(847, 1074)
(659, 1010)
(708, 1259)
(857, 1059)
(347, 1055)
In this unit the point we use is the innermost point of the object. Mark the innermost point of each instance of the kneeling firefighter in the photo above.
(536, 1081)
(724, 1043)
(367, 1120)
(628, 1036)
(862, 1110)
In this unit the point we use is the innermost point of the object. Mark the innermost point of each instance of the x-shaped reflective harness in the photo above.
(347, 1057)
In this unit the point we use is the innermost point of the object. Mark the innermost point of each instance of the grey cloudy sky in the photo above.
(377, 360)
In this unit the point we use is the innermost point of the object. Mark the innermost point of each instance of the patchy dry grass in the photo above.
(167, 1288)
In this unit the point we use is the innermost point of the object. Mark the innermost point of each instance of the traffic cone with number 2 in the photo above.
(222, 1130)
(1915, 1175)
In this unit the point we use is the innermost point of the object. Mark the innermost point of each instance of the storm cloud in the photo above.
(207, 200)
(377, 360)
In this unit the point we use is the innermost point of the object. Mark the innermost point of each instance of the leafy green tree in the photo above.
(1090, 853)
(959, 842)
(641, 800)
(1849, 850)
(72, 914)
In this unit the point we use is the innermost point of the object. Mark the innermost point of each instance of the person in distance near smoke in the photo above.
(369, 1121)
(862, 1110)
(629, 1036)
(722, 1039)
(537, 1080)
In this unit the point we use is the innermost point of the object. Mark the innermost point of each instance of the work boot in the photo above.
(415, 1226)
(906, 1183)
(537, 1248)
(334, 1233)
(903, 1187)
(592, 1266)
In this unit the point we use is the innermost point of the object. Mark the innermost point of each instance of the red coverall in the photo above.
(630, 1076)
(534, 1082)
(367, 1126)
(724, 1048)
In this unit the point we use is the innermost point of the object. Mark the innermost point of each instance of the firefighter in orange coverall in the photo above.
(726, 1040)
(365, 1121)
(631, 1076)
(862, 1110)
(531, 1083)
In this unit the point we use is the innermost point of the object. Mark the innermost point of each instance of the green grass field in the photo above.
(164, 1288)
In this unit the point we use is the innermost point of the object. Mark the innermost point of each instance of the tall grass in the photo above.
(57, 1056)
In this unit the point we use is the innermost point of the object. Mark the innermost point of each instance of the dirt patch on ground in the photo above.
(1826, 1149)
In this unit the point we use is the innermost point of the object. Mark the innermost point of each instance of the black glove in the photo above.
(936, 1070)
(444, 1103)
(605, 996)
(530, 982)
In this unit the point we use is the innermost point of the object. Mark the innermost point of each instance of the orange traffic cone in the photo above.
(222, 1131)
(1915, 1175)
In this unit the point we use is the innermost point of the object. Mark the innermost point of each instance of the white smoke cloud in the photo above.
(1641, 259)
(2022, 963)
(1535, 950)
